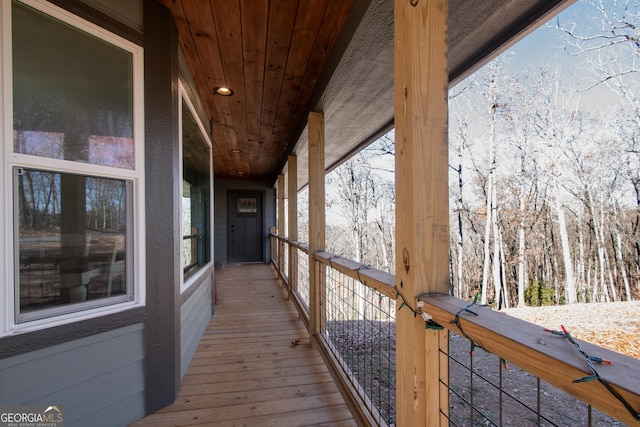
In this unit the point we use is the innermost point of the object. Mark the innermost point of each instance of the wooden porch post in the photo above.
(316, 215)
(292, 228)
(422, 218)
(280, 221)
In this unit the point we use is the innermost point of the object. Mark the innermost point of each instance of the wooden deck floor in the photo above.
(246, 371)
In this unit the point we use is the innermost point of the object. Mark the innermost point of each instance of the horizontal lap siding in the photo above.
(98, 380)
(194, 317)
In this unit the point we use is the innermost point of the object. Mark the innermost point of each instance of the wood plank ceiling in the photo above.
(283, 58)
(271, 53)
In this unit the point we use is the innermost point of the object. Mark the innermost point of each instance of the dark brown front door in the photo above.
(245, 227)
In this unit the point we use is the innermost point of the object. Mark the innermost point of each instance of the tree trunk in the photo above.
(490, 183)
(570, 287)
(592, 282)
(460, 229)
(553, 262)
(497, 282)
(616, 244)
(581, 277)
(521, 235)
(383, 245)
(604, 260)
(503, 269)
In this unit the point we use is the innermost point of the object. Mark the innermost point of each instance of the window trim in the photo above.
(9, 159)
(196, 277)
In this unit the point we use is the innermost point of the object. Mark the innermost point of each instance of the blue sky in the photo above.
(546, 46)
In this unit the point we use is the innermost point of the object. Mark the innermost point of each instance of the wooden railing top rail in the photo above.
(296, 244)
(385, 283)
(549, 356)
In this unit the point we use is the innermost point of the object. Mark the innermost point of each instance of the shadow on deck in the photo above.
(248, 368)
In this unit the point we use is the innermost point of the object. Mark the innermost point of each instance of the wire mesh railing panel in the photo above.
(484, 390)
(284, 269)
(359, 324)
(302, 282)
(274, 250)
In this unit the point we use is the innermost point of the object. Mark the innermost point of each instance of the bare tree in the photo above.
(363, 196)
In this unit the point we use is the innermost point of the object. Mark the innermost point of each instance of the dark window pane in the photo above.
(196, 167)
(72, 93)
(71, 239)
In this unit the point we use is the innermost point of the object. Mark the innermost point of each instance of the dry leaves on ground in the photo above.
(615, 326)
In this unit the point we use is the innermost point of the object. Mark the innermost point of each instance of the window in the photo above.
(247, 205)
(72, 103)
(71, 240)
(196, 194)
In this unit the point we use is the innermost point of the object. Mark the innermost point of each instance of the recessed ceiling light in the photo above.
(224, 91)
(235, 151)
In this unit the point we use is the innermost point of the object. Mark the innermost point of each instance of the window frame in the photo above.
(10, 159)
(196, 277)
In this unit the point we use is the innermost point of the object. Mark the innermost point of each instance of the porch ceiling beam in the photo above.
(422, 221)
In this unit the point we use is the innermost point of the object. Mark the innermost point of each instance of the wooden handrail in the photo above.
(371, 277)
(296, 244)
(374, 278)
(548, 356)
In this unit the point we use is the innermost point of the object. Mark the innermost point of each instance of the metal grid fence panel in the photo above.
(274, 250)
(359, 324)
(284, 269)
(484, 390)
(303, 277)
